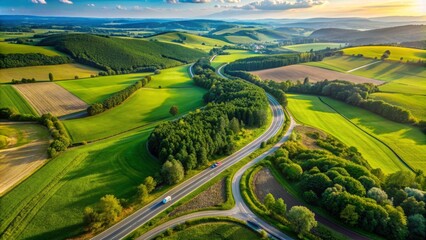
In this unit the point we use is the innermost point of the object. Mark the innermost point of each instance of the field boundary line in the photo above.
(363, 66)
(369, 134)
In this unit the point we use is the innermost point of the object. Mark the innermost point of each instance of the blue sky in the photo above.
(242, 9)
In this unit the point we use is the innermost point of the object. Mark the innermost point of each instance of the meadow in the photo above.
(59, 191)
(176, 77)
(10, 98)
(314, 46)
(9, 48)
(189, 40)
(41, 73)
(215, 231)
(341, 63)
(97, 89)
(233, 56)
(411, 54)
(415, 103)
(310, 111)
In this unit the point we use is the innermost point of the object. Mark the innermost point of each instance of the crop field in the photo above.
(314, 46)
(190, 40)
(77, 178)
(315, 74)
(26, 152)
(9, 48)
(397, 53)
(41, 73)
(93, 90)
(10, 98)
(415, 103)
(176, 77)
(311, 111)
(215, 231)
(233, 56)
(240, 39)
(341, 63)
(48, 97)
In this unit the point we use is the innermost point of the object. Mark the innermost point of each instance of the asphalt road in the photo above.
(143, 215)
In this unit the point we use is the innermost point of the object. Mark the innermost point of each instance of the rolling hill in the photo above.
(121, 54)
(249, 35)
(189, 40)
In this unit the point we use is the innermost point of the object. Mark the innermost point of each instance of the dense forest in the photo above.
(198, 137)
(340, 181)
(30, 59)
(121, 54)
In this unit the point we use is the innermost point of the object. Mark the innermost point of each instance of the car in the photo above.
(167, 199)
(218, 163)
(214, 165)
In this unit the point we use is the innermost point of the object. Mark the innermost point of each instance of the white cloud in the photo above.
(119, 7)
(137, 8)
(91, 5)
(39, 1)
(187, 1)
(281, 5)
(65, 1)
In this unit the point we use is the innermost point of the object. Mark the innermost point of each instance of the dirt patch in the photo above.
(51, 98)
(213, 196)
(315, 74)
(309, 136)
(20, 162)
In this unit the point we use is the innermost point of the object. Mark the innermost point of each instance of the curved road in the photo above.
(143, 215)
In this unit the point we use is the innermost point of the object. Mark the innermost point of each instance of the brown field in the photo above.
(17, 163)
(299, 72)
(51, 98)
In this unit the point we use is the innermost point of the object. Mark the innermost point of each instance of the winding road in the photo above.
(143, 215)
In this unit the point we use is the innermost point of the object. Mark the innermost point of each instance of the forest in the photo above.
(200, 136)
(30, 59)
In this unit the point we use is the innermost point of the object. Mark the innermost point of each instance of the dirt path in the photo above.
(18, 163)
(364, 66)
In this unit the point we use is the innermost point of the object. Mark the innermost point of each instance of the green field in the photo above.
(215, 231)
(6, 35)
(341, 63)
(415, 103)
(93, 90)
(190, 40)
(397, 53)
(145, 106)
(9, 48)
(233, 56)
(311, 111)
(232, 30)
(41, 73)
(79, 177)
(314, 46)
(11, 132)
(10, 98)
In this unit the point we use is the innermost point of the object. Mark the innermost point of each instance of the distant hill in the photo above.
(189, 40)
(121, 54)
(248, 34)
(384, 35)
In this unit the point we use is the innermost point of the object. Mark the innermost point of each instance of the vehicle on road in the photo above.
(216, 164)
(167, 199)
(253, 225)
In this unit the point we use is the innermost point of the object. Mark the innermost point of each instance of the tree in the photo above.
(280, 207)
(411, 206)
(143, 192)
(51, 77)
(302, 219)
(377, 194)
(269, 201)
(306, 81)
(417, 227)
(174, 110)
(234, 125)
(110, 208)
(292, 171)
(91, 219)
(150, 183)
(349, 215)
(172, 171)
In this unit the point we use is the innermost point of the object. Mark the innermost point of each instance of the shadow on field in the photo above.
(60, 233)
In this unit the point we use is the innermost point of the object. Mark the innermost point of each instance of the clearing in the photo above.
(410, 54)
(10, 98)
(312, 46)
(41, 73)
(299, 72)
(26, 152)
(93, 90)
(48, 97)
(311, 111)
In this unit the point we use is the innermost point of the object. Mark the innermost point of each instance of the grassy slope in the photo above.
(411, 54)
(415, 103)
(341, 63)
(215, 231)
(60, 72)
(8, 48)
(191, 41)
(310, 111)
(96, 89)
(76, 179)
(315, 46)
(10, 98)
(176, 77)
(143, 107)
(233, 56)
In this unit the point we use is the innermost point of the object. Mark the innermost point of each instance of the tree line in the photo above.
(193, 140)
(61, 139)
(30, 59)
(117, 98)
(392, 206)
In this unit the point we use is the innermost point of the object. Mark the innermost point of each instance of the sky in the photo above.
(219, 9)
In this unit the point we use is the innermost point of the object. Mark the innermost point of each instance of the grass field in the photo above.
(41, 73)
(311, 111)
(9, 48)
(6, 35)
(10, 98)
(93, 90)
(58, 192)
(176, 77)
(233, 56)
(341, 63)
(410, 54)
(215, 231)
(190, 40)
(314, 46)
(415, 103)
